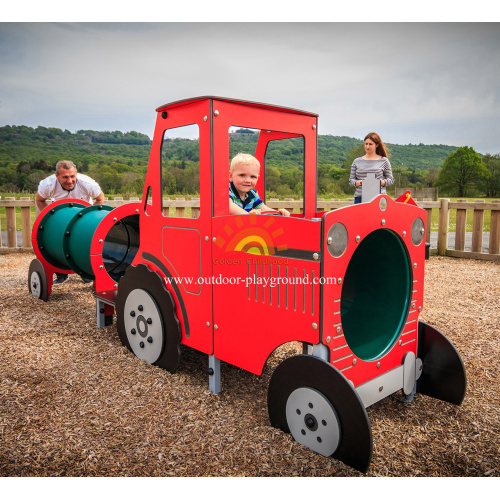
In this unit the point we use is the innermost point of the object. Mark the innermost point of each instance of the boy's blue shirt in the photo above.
(250, 202)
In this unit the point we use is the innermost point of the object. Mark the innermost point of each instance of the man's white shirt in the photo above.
(85, 189)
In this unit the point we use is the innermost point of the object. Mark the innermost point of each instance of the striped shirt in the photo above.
(250, 202)
(361, 168)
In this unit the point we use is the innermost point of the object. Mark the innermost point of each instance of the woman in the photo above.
(375, 160)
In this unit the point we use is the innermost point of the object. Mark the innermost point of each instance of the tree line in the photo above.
(118, 161)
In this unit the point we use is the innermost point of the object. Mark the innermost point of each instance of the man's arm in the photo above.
(41, 203)
(99, 199)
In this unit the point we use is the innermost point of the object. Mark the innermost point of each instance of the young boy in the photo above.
(243, 197)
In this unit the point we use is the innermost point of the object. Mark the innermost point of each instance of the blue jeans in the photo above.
(357, 199)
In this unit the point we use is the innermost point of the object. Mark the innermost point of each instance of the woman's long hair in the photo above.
(381, 148)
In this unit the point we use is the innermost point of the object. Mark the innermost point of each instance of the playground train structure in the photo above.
(346, 283)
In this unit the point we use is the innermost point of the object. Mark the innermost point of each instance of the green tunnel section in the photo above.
(376, 294)
(65, 236)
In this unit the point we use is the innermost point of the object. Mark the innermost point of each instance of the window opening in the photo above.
(180, 172)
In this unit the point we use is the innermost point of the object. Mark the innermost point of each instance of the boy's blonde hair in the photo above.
(243, 159)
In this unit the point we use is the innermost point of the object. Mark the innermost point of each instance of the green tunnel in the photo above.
(376, 294)
(65, 234)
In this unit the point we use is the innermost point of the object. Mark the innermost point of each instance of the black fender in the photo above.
(143, 277)
(356, 444)
(443, 372)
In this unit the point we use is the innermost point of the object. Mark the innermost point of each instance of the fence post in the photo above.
(290, 207)
(495, 230)
(180, 211)
(461, 227)
(444, 219)
(428, 224)
(195, 211)
(10, 215)
(166, 206)
(26, 223)
(477, 228)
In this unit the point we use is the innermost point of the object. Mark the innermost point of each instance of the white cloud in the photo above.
(417, 82)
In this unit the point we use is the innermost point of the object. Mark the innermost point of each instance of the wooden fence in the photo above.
(180, 207)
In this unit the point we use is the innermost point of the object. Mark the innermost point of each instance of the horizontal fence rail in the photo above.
(180, 207)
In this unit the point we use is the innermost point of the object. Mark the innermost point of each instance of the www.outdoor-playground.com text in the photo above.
(271, 281)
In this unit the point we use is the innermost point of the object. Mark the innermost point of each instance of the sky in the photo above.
(427, 82)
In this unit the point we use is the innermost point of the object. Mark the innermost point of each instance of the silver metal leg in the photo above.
(321, 351)
(307, 349)
(410, 397)
(214, 374)
(100, 312)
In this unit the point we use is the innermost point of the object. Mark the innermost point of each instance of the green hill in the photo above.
(119, 160)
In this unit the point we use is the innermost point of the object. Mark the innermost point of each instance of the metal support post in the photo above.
(213, 374)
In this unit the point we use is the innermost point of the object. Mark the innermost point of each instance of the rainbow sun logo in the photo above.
(252, 234)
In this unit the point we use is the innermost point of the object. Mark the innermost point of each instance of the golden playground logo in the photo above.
(253, 235)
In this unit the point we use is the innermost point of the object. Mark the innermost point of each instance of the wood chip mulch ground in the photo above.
(75, 402)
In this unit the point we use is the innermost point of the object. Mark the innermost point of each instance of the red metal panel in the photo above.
(104, 282)
(194, 308)
(184, 102)
(360, 220)
(252, 316)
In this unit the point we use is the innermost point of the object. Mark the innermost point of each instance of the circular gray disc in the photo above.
(339, 239)
(36, 284)
(144, 325)
(313, 421)
(417, 231)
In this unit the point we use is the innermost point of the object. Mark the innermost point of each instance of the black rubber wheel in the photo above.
(318, 405)
(37, 280)
(146, 320)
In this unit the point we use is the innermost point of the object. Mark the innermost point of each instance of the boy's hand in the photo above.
(284, 211)
(255, 211)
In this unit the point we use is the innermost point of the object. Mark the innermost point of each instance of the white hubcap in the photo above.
(144, 325)
(313, 421)
(36, 284)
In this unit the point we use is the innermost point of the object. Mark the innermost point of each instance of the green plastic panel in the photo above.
(50, 234)
(81, 230)
(376, 294)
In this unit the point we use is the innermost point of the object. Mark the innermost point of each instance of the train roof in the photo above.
(184, 102)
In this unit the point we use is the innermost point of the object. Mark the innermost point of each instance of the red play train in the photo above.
(347, 283)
